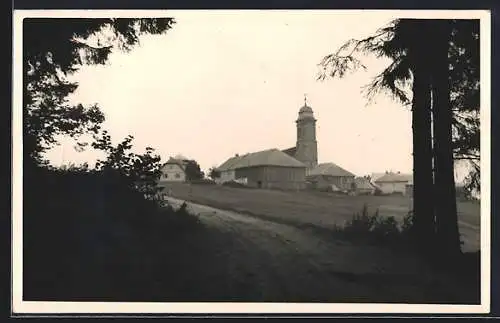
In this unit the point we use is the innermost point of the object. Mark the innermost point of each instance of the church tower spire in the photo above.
(307, 146)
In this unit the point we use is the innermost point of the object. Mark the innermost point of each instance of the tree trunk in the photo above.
(446, 204)
(423, 203)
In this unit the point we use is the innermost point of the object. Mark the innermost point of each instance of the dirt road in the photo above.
(323, 210)
(269, 261)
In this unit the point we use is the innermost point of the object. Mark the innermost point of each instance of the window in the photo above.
(166, 175)
(177, 175)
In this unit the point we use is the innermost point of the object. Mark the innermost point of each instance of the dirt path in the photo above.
(269, 261)
(318, 209)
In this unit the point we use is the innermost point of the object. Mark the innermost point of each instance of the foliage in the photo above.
(361, 222)
(472, 180)
(193, 171)
(55, 48)
(213, 173)
(141, 170)
(88, 235)
(379, 229)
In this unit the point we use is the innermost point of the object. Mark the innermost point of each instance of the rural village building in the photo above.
(364, 186)
(270, 168)
(174, 170)
(331, 176)
(290, 168)
(391, 183)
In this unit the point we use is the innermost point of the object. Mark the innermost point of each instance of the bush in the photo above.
(377, 229)
(99, 233)
(361, 223)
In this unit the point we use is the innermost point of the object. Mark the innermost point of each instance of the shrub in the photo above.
(80, 224)
(99, 233)
(377, 229)
(361, 223)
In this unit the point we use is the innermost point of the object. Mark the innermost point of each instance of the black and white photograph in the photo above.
(251, 161)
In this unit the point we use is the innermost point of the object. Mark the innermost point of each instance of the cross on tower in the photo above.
(305, 98)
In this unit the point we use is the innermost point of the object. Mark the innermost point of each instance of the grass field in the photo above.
(316, 208)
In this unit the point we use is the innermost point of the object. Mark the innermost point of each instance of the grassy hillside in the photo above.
(317, 208)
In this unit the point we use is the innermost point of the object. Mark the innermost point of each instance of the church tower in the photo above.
(306, 147)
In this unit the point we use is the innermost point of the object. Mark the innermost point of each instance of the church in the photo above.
(293, 168)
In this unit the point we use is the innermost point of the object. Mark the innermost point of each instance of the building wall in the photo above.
(392, 187)
(226, 176)
(172, 173)
(307, 146)
(273, 177)
(324, 181)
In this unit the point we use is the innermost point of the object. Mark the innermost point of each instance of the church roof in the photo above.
(269, 157)
(306, 112)
(330, 169)
(290, 151)
(306, 109)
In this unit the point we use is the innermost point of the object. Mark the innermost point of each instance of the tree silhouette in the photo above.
(421, 52)
(55, 48)
(444, 177)
(400, 42)
(193, 171)
(213, 173)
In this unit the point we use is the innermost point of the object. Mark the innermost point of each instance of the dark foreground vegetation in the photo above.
(91, 236)
(375, 229)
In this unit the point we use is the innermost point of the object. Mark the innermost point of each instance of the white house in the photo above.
(391, 183)
(174, 170)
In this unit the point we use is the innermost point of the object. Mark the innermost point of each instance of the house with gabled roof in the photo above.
(174, 170)
(392, 182)
(364, 186)
(271, 168)
(330, 175)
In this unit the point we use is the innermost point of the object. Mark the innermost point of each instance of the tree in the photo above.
(213, 173)
(455, 94)
(55, 48)
(193, 171)
(444, 178)
(402, 42)
(142, 171)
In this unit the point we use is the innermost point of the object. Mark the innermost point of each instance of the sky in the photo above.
(218, 84)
